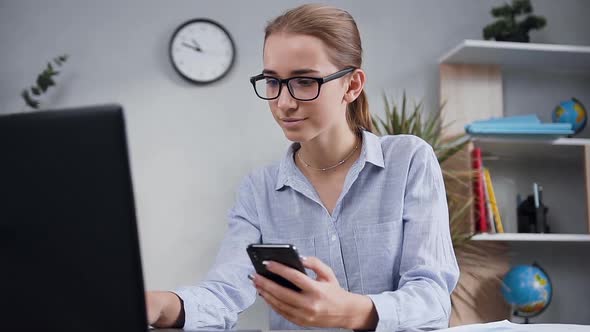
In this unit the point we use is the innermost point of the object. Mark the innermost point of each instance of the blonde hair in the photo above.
(338, 30)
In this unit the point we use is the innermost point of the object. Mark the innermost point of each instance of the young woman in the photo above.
(369, 213)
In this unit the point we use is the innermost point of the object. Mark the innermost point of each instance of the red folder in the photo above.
(480, 217)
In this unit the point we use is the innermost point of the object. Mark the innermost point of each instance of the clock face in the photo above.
(202, 51)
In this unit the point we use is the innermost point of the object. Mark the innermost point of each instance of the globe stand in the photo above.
(526, 318)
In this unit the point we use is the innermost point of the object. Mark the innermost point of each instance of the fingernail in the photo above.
(302, 258)
(251, 277)
(265, 262)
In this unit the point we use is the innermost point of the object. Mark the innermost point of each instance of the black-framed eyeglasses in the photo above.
(302, 88)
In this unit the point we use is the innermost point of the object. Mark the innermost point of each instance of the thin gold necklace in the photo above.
(333, 166)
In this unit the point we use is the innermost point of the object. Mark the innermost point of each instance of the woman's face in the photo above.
(289, 55)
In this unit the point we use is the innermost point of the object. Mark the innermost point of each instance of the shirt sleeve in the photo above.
(226, 290)
(428, 267)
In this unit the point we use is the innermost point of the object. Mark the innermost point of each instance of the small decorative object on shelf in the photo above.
(507, 28)
(571, 111)
(528, 289)
(43, 82)
(532, 213)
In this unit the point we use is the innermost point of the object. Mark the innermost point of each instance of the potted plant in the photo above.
(43, 82)
(507, 28)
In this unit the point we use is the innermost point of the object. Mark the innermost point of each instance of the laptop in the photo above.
(69, 249)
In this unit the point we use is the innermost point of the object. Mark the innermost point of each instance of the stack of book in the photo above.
(521, 125)
(487, 215)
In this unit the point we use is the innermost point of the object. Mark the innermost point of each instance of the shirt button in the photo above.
(334, 238)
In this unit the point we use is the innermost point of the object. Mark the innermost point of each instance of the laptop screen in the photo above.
(69, 246)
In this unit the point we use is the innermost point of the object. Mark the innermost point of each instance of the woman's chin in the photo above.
(295, 135)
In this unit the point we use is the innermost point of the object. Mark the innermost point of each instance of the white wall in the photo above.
(191, 145)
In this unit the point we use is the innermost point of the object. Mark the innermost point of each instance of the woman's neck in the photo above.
(330, 148)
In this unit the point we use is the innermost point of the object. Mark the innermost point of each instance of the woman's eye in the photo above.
(271, 82)
(305, 82)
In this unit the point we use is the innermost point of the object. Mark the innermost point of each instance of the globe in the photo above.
(571, 111)
(528, 289)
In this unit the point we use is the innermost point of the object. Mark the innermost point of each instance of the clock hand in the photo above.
(191, 47)
(197, 46)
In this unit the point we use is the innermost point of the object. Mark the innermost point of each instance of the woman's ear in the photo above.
(355, 86)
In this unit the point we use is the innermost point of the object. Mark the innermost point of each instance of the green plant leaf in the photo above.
(403, 123)
(455, 147)
(396, 119)
(43, 81)
(28, 100)
(376, 126)
(384, 126)
(432, 123)
(60, 60)
(388, 114)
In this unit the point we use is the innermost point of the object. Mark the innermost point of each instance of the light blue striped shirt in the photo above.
(388, 237)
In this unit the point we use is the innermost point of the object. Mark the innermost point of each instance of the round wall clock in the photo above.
(202, 51)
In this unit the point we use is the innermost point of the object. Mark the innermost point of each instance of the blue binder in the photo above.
(518, 125)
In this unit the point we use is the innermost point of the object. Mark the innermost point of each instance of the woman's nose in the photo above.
(285, 100)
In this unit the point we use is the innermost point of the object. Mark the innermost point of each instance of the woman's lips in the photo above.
(292, 122)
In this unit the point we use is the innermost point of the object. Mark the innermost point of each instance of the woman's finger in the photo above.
(284, 309)
(323, 271)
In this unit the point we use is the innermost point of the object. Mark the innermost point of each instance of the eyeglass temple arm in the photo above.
(338, 74)
(254, 78)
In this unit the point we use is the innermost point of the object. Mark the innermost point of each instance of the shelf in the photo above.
(531, 140)
(531, 237)
(527, 148)
(542, 56)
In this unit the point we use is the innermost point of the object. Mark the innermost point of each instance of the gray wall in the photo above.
(191, 145)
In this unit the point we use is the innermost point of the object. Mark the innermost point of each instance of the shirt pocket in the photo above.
(305, 247)
(379, 251)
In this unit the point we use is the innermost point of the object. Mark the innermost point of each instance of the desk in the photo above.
(500, 326)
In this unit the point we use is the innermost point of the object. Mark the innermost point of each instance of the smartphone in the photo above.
(285, 254)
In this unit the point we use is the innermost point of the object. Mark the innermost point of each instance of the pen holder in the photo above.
(532, 219)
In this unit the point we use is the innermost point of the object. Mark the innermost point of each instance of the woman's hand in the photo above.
(321, 302)
(164, 309)
(153, 306)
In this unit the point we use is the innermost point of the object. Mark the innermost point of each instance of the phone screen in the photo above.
(285, 254)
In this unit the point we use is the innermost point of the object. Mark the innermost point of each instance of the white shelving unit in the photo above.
(472, 86)
(572, 149)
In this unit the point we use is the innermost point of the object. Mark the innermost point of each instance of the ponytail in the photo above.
(358, 116)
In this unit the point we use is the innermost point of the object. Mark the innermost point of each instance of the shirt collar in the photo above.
(370, 152)
(372, 149)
